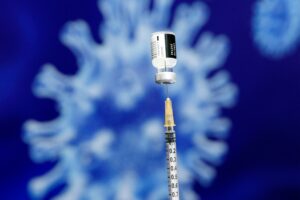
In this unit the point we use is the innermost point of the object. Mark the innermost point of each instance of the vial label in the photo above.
(154, 49)
(170, 46)
(163, 49)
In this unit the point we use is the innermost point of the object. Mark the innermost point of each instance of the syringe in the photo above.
(163, 48)
(171, 151)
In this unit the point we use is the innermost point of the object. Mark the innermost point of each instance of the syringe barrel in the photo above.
(171, 152)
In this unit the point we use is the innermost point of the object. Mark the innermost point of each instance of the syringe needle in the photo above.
(167, 90)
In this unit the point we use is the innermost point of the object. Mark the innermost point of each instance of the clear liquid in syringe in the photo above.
(172, 165)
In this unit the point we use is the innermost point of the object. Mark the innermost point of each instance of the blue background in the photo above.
(263, 162)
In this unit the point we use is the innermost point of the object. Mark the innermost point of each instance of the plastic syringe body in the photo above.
(171, 152)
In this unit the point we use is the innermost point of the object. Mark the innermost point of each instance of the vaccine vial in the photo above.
(163, 49)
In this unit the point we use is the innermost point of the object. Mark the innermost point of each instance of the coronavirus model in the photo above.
(107, 142)
(276, 26)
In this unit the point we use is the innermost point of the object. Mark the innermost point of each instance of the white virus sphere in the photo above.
(108, 142)
(276, 26)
